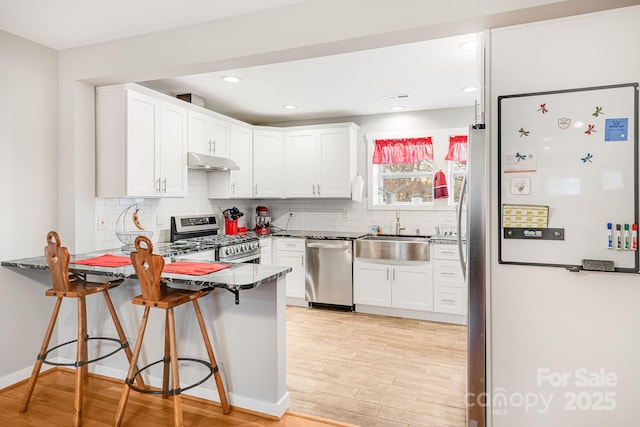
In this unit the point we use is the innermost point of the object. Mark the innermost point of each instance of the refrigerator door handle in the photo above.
(463, 263)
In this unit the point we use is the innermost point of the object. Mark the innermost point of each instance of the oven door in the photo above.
(252, 258)
(206, 255)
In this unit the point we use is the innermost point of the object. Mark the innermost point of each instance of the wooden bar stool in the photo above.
(156, 294)
(67, 285)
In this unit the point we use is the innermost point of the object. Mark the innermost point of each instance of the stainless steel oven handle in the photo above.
(247, 258)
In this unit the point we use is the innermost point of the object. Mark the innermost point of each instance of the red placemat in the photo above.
(193, 268)
(105, 260)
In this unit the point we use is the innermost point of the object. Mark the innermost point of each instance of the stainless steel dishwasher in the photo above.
(329, 273)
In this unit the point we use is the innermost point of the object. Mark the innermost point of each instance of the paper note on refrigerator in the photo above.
(525, 216)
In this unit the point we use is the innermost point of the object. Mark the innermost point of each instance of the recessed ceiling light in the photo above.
(469, 89)
(290, 107)
(231, 79)
(397, 107)
(468, 45)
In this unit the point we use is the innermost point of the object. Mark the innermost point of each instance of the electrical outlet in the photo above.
(345, 213)
(102, 223)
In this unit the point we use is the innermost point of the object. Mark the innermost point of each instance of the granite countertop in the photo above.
(320, 235)
(236, 277)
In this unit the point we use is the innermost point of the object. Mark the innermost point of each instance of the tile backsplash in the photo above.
(308, 214)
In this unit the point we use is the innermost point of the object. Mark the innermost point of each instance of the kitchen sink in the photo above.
(393, 247)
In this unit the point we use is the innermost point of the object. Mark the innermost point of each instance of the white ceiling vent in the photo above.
(395, 97)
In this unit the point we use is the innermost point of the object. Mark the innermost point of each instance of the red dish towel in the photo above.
(193, 268)
(105, 260)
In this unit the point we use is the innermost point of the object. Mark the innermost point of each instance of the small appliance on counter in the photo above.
(263, 220)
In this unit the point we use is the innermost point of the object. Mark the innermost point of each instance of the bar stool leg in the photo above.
(121, 335)
(81, 365)
(175, 378)
(167, 356)
(132, 369)
(39, 360)
(216, 372)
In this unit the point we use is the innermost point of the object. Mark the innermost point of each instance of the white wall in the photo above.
(548, 318)
(28, 176)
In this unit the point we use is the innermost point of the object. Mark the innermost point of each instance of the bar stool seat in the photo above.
(66, 285)
(156, 294)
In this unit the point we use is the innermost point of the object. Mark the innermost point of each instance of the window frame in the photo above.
(440, 147)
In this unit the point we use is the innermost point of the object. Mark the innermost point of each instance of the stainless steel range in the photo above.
(202, 232)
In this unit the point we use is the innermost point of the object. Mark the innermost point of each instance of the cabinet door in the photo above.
(300, 164)
(295, 279)
(241, 152)
(335, 163)
(208, 134)
(143, 158)
(268, 152)
(199, 133)
(173, 151)
(412, 287)
(372, 284)
(219, 136)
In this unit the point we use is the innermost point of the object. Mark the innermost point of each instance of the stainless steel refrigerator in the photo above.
(473, 209)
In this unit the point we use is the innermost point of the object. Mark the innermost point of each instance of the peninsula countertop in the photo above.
(234, 278)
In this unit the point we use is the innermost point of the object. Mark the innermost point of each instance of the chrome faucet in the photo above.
(398, 228)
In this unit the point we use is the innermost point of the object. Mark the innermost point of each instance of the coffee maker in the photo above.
(263, 220)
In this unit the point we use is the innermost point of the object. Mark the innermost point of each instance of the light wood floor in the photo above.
(52, 406)
(374, 370)
(354, 368)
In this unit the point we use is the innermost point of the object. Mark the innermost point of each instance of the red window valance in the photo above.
(457, 149)
(403, 150)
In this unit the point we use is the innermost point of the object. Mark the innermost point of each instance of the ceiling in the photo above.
(416, 76)
(431, 73)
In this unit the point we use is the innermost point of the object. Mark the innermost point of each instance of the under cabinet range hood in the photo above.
(210, 163)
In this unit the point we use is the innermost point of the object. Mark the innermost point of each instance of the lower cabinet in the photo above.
(450, 289)
(393, 285)
(290, 252)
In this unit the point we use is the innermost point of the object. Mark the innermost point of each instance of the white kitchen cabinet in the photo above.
(320, 161)
(450, 289)
(141, 143)
(266, 250)
(235, 184)
(268, 162)
(290, 252)
(208, 133)
(393, 285)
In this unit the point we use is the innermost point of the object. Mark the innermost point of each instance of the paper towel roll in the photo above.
(357, 185)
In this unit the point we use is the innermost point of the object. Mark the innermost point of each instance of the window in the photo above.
(402, 171)
(457, 159)
(406, 169)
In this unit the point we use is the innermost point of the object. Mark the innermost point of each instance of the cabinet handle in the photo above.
(387, 274)
(446, 273)
(302, 260)
(233, 188)
(157, 187)
(214, 145)
(255, 192)
(394, 274)
(318, 189)
(210, 146)
(313, 186)
(164, 185)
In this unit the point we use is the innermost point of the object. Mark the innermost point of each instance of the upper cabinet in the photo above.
(268, 155)
(235, 184)
(141, 143)
(208, 134)
(320, 161)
